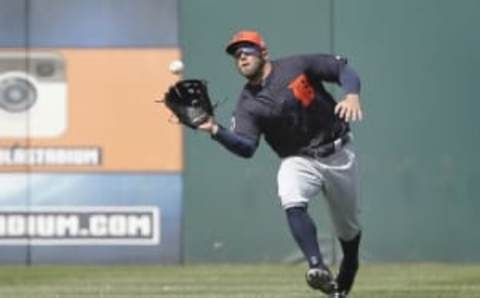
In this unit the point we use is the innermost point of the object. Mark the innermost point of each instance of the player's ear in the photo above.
(265, 55)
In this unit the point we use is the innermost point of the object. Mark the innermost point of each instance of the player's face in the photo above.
(249, 61)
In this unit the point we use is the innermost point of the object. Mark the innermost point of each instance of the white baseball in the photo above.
(176, 67)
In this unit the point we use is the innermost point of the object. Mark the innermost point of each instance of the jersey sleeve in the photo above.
(245, 120)
(237, 144)
(243, 136)
(332, 68)
(245, 125)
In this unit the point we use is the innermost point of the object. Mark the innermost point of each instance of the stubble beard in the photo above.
(255, 72)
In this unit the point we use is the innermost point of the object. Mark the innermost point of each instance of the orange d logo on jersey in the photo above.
(302, 90)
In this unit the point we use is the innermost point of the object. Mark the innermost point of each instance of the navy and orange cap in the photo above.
(245, 37)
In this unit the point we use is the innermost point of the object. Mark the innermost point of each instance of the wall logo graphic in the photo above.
(33, 95)
(70, 110)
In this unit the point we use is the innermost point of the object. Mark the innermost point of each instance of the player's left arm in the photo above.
(335, 69)
(349, 108)
(240, 145)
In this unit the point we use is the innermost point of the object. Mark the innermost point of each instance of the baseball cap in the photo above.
(245, 37)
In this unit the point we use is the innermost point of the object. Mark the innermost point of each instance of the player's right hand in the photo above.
(209, 126)
(349, 109)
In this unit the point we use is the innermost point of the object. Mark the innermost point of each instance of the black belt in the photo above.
(328, 149)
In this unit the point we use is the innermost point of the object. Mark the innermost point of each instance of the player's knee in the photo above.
(295, 209)
(293, 201)
(349, 234)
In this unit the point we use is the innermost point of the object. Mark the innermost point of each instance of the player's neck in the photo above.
(262, 75)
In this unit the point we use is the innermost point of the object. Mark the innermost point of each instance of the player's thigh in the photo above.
(342, 194)
(298, 181)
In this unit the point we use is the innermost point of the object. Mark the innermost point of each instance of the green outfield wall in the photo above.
(417, 146)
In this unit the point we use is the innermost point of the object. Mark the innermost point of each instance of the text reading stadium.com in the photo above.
(129, 225)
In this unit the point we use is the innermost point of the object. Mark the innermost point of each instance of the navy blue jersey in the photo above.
(292, 108)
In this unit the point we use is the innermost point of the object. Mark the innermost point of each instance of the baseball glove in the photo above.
(189, 102)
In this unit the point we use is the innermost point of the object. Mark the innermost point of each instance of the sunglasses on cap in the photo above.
(247, 50)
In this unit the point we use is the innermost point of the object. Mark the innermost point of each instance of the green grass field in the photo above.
(408, 280)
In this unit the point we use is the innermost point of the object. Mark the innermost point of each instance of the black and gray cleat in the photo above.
(338, 295)
(321, 279)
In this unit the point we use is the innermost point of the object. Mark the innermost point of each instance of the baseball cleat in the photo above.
(321, 279)
(338, 295)
(346, 277)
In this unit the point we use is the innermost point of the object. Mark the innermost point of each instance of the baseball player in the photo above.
(286, 102)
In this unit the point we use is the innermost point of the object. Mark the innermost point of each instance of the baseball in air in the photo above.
(176, 67)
